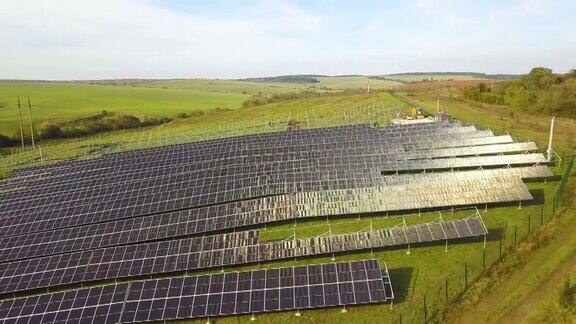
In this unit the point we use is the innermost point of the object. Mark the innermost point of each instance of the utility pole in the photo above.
(21, 128)
(31, 125)
(368, 86)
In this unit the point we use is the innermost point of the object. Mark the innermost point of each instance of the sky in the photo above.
(100, 39)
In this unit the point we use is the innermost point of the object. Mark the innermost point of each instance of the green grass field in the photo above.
(429, 76)
(65, 100)
(311, 112)
(354, 82)
(210, 85)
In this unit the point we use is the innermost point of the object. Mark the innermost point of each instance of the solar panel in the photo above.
(193, 254)
(338, 137)
(501, 185)
(248, 292)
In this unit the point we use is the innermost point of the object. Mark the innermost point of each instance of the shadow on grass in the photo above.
(400, 278)
(539, 198)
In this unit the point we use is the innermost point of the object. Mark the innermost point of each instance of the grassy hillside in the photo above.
(354, 82)
(211, 85)
(63, 100)
(311, 112)
(442, 76)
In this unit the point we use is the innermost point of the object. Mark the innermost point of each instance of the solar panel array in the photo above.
(204, 296)
(211, 251)
(185, 207)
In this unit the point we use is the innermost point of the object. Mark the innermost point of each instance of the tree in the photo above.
(539, 78)
(518, 96)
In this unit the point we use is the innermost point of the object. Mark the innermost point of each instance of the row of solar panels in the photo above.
(135, 214)
(135, 198)
(191, 254)
(183, 190)
(204, 296)
(280, 171)
(235, 143)
(402, 192)
(231, 158)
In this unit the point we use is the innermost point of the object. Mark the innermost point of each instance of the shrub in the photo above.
(164, 119)
(121, 122)
(6, 141)
(197, 113)
(48, 130)
(182, 115)
(567, 294)
(149, 121)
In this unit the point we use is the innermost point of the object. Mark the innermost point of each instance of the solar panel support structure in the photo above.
(549, 151)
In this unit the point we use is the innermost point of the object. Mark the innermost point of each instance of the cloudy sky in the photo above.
(94, 39)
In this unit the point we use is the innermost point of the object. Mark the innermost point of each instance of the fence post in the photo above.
(484, 259)
(425, 312)
(465, 274)
(446, 286)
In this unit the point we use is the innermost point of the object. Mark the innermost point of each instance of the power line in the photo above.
(31, 125)
(21, 128)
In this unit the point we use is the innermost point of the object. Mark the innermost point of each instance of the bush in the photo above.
(48, 130)
(540, 92)
(567, 294)
(6, 141)
(182, 115)
(197, 113)
(164, 119)
(121, 122)
(149, 121)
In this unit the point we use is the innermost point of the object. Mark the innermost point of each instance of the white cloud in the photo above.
(96, 39)
(522, 9)
(88, 39)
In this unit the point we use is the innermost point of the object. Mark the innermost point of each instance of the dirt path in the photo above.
(537, 294)
(493, 308)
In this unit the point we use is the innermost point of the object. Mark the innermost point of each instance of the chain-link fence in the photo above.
(563, 185)
(427, 306)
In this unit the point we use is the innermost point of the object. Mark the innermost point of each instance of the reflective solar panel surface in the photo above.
(187, 207)
(203, 296)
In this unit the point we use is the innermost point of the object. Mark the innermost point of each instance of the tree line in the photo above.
(539, 92)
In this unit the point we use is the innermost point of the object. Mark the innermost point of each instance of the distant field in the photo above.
(354, 82)
(435, 76)
(453, 84)
(64, 100)
(310, 112)
(211, 85)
